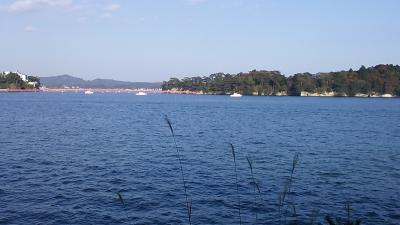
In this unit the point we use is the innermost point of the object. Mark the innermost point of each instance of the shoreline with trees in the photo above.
(15, 81)
(377, 81)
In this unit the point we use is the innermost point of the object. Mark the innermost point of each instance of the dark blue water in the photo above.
(63, 158)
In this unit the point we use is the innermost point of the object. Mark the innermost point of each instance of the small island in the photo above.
(16, 81)
(377, 81)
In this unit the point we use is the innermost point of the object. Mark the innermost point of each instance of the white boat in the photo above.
(89, 92)
(141, 93)
(235, 95)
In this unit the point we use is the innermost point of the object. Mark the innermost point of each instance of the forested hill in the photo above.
(377, 80)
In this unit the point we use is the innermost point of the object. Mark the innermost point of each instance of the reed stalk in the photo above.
(338, 220)
(255, 185)
(284, 195)
(237, 183)
(121, 199)
(188, 203)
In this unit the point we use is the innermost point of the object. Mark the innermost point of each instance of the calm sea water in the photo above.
(63, 158)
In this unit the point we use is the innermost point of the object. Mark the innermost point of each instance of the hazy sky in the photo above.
(147, 40)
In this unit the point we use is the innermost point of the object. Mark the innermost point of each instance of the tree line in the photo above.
(14, 81)
(376, 80)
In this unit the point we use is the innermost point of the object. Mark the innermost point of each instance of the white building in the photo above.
(33, 83)
(22, 76)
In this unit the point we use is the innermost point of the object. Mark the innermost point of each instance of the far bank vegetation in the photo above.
(16, 80)
(377, 81)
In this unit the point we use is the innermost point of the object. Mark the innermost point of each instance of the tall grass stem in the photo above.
(188, 204)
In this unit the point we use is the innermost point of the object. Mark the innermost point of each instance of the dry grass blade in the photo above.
(169, 124)
(188, 205)
(252, 175)
(348, 211)
(255, 184)
(329, 220)
(258, 188)
(233, 152)
(190, 209)
(237, 183)
(294, 163)
(250, 164)
(284, 195)
(338, 220)
(121, 199)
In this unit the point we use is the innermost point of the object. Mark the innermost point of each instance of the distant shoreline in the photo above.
(20, 90)
(305, 94)
(159, 91)
(382, 80)
(79, 90)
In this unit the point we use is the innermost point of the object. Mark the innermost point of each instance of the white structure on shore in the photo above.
(324, 94)
(23, 77)
(360, 95)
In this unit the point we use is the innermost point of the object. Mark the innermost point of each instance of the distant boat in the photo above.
(141, 93)
(387, 96)
(89, 92)
(235, 95)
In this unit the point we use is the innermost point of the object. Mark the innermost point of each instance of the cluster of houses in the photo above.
(23, 77)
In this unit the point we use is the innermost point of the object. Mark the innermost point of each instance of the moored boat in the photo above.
(141, 93)
(235, 95)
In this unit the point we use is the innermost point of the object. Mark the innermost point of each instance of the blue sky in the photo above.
(145, 40)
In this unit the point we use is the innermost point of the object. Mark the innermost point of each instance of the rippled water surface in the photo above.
(63, 158)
